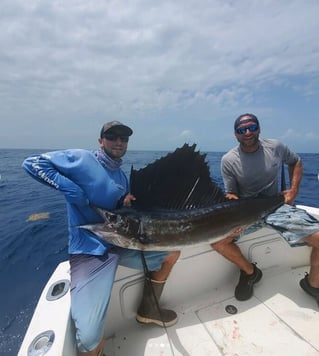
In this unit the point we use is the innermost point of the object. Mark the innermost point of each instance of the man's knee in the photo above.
(171, 258)
(313, 239)
(218, 246)
(222, 245)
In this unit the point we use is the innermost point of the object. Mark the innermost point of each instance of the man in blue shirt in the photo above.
(95, 179)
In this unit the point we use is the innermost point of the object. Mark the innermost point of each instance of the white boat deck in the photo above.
(279, 320)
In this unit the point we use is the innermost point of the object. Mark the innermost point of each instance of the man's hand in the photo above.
(128, 199)
(289, 195)
(231, 196)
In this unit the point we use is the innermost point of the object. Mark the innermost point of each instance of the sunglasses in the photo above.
(251, 128)
(114, 137)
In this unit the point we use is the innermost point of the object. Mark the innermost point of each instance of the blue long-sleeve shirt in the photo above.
(84, 181)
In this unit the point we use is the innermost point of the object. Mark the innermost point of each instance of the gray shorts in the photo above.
(293, 224)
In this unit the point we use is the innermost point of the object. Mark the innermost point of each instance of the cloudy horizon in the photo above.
(175, 72)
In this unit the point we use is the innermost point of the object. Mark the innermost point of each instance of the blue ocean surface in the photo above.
(31, 246)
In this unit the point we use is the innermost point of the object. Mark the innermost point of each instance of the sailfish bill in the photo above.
(177, 205)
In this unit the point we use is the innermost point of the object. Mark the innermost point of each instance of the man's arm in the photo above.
(43, 170)
(229, 179)
(295, 176)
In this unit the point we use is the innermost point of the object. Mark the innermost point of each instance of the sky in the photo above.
(175, 71)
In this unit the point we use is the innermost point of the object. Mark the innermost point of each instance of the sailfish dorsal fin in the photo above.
(180, 180)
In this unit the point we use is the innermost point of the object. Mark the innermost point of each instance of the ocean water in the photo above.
(31, 245)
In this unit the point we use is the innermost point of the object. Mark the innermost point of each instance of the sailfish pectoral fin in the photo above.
(141, 235)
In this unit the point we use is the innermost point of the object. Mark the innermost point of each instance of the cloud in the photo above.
(302, 133)
(186, 134)
(77, 61)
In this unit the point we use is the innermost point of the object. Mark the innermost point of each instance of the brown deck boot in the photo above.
(149, 310)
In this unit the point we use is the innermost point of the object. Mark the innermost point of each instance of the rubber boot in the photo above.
(149, 310)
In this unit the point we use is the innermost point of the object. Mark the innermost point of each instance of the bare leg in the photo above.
(249, 274)
(314, 268)
(232, 253)
(167, 266)
(313, 240)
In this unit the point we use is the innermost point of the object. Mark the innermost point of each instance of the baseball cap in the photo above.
(116, 127)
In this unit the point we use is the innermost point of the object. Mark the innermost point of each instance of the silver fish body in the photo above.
(167, 229)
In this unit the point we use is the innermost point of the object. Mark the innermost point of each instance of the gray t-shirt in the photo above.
(251, 174)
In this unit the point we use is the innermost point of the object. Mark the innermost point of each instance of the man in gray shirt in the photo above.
(251, 170)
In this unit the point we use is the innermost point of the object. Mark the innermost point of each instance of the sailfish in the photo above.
(178, 205)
